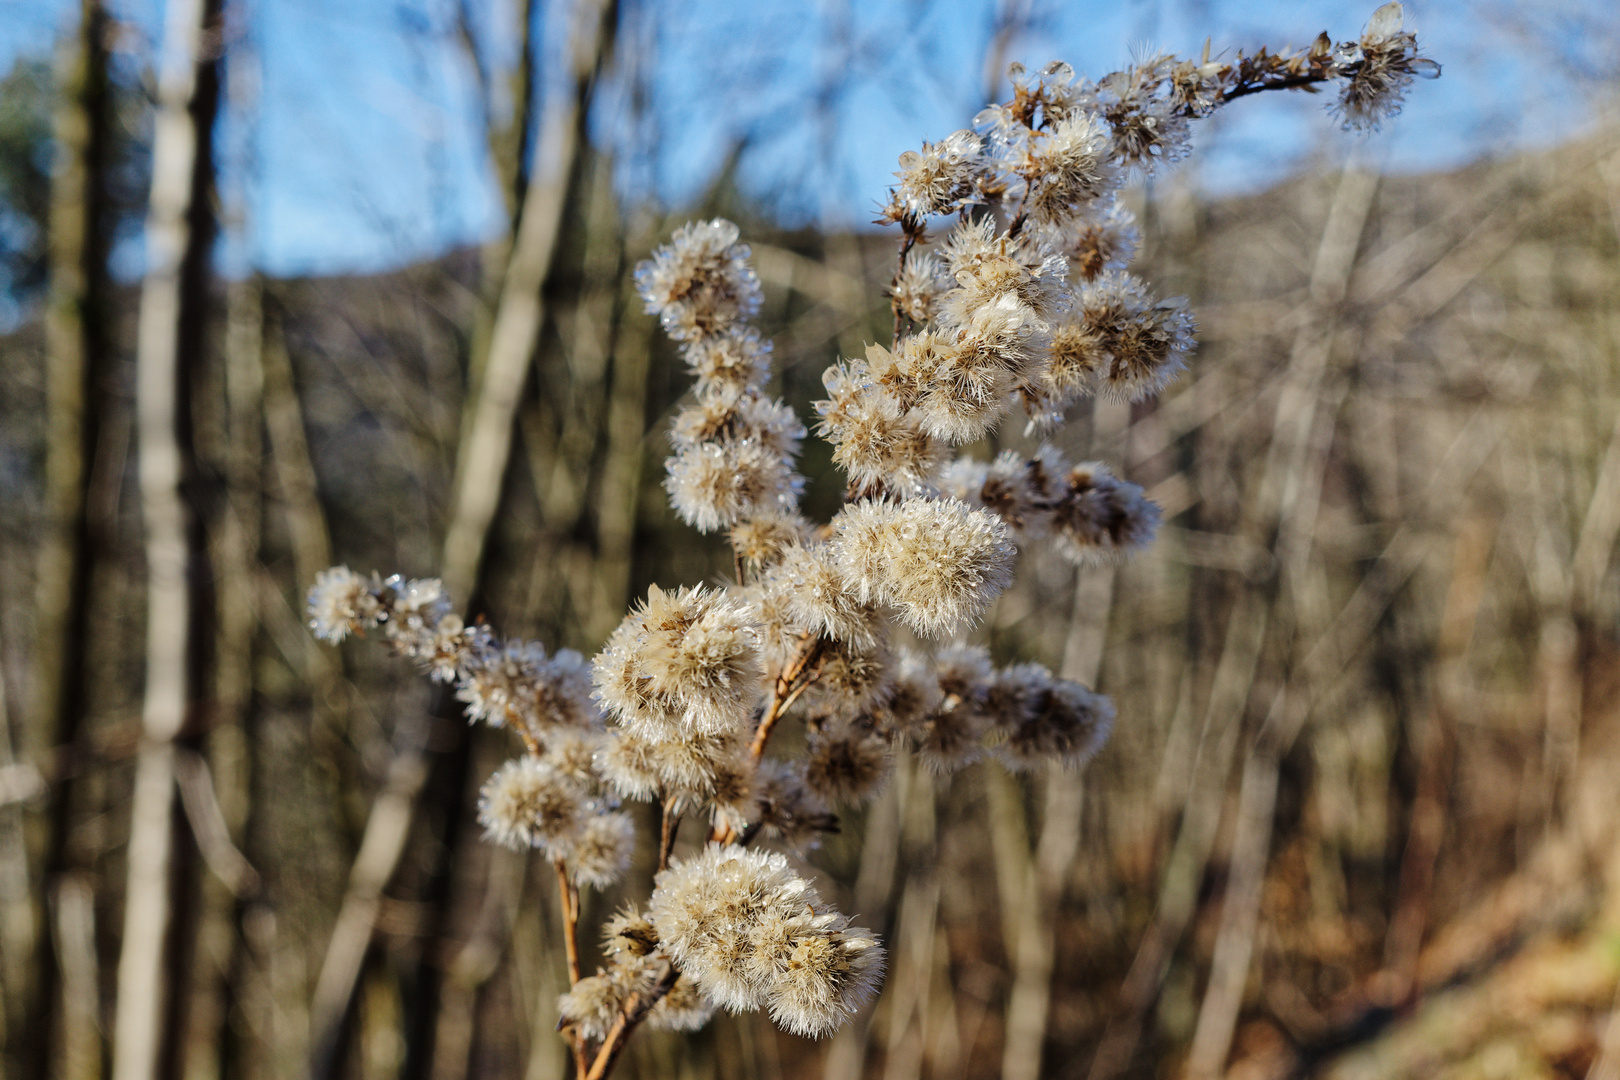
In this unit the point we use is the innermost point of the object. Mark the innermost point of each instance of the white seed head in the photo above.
(600, 854)
(528, 804)
(939, 561)
(688, 657)
(342, 602)
(700, 283)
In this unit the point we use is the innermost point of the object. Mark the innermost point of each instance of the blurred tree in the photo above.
(26, 99)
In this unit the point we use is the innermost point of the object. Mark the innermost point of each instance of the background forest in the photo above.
(1358, 814)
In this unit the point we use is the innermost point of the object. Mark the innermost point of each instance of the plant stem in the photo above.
(635, 1010)
(568, 896)
(668, 826)
(788, 688)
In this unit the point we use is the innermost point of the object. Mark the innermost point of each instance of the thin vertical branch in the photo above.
(487, 443)
(77, 357)
(1035, 903)
(177, 235)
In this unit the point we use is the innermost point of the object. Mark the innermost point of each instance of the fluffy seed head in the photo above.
(1065, 722)
(628, 933)
(736, 358)
(713, 485)
(342, 602)
(748, 931)
(784, 806)
(1098, 517)
(687, 657)
(761, 541)
(699, 283)
(914, 695)
(875, 440)
(683, 1008)
(850, 679)
(951, 736)
(917, 286)
(819, 599)
(939, 561)
(1379, 70)
(703, 908)
(1068, 168)
(528, 804)
(938, 178)
(600, 853)
(1121, 340)
(846, 761)
(829, 974)
(595, 1002)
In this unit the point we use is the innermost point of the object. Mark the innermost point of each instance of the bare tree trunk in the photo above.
(154, 960)
(1035, 886)
(77, 358)
(487, 445)
(481, 464)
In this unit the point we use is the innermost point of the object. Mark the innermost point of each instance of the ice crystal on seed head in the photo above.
(917, 286)
(1379, 70)
(938, 178)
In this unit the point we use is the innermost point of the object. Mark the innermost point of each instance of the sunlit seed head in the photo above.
(713, 485)
(688, 657)
(700, 283)
(819, 598)
(342, 602)
(761, 542)
(736, 358)
(939, 561)
(528, 804)
(600, 851)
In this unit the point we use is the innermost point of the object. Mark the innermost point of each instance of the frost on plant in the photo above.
(1012, 293)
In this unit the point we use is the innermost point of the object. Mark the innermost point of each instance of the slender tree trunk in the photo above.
(157, 930)
(77, 358)
(481, 465)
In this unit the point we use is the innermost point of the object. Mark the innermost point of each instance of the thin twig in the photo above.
(669, 825)
(789, 685)
(568, 897)
(635, 1010)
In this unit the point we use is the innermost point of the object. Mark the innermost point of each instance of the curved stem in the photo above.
(789, 685)
(635, 1010)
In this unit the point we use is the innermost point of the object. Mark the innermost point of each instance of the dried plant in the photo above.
(1025, 303)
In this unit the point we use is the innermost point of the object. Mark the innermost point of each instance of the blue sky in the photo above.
(354, 142)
